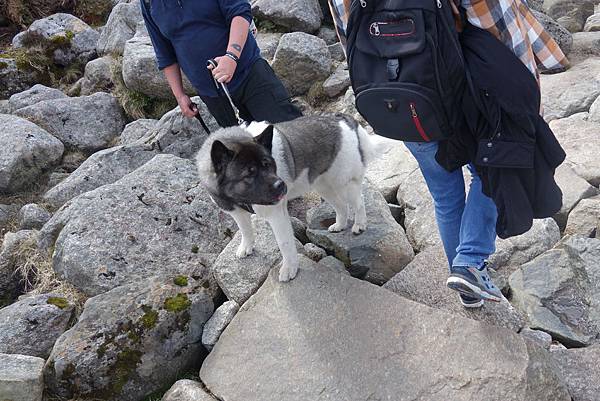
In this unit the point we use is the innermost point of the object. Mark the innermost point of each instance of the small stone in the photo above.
(314, 252)
(584, 218)
(333, 264)
(337, 52)
(218, 323)
(297, 15)
(538, 337)
(338, 82)
(268, 42)
(120, 27)
(574, 189)
(32, 216)
(21, 378)
(592, 24)
(187, 390)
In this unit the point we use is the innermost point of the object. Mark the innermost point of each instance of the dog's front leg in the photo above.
(278, 218)
(244, 221)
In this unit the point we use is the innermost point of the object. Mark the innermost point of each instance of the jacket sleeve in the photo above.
(165, 54)
(236, 8)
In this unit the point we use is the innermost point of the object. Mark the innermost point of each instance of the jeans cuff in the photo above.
(470, 260)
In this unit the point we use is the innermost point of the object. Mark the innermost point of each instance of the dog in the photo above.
(257, 168)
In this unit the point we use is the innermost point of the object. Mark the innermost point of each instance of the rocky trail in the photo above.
(118, 275)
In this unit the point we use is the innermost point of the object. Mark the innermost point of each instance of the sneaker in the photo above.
(474, 282)
(470, 302)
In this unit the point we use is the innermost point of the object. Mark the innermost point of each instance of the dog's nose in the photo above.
(279, 186)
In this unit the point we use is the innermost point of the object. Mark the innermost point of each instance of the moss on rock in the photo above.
(127, 361)
(178, 303)
(150, 317)
(181, 281)
(59, 302)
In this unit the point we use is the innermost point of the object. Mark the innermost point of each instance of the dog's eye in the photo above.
(266, 163)
(251, 170)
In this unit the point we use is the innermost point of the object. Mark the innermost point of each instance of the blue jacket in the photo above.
(190, 32)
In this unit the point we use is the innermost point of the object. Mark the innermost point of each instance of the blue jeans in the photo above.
(467, 224)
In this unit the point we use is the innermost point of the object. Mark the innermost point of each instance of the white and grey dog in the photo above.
(259, 167)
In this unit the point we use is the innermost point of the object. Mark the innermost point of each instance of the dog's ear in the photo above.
(220, 156)
(266, 138)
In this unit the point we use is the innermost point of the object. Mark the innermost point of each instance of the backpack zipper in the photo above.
(417, 122)
(439, 3)
(363, 3)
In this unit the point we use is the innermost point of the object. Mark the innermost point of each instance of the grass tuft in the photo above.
(39, 277)
(136, 104)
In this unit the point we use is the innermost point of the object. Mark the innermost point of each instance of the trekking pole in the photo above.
(222, 88)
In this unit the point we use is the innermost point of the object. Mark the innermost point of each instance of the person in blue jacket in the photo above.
(187, 33)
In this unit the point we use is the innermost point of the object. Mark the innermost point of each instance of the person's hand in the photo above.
(225, 69)
(188, 108)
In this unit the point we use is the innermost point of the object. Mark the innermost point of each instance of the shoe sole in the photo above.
(466, 288)
(475, 305)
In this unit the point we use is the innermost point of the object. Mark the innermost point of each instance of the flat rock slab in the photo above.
(580, 370)
(154, 221)
(327, 336)
(21, 378)
(424, 281)
(37, 93)
(32, 325)
(240, 278)
(378, 253)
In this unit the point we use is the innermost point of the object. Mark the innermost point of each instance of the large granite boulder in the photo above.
(572, 91)
(132, 341)
(375, 255)
(140, 71)
(154, 221)
(86, 123)
(559, 290)
(21, 377)
(32, 325)
(173, 134)
(424, 281)
(301, 60)
(26, 152)
(120, 27)
(579, 137)
(37, 93)
(585, 45)
(580, 370)
(80, 37)
(296, 15)
(329, 336)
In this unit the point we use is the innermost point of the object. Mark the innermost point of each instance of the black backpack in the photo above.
(406, 67)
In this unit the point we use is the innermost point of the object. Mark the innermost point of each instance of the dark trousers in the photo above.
(261, 98)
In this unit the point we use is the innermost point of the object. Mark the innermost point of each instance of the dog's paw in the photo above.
(358, 229)
(336, 228)
(287, 272)
(244, 250)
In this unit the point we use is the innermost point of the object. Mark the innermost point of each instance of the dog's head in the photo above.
(248, 175)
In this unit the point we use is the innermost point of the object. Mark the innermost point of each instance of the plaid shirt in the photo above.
(511, 21)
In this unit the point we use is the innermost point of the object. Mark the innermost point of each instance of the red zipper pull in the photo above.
(418, 125)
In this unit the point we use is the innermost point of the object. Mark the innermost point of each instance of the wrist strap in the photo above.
(232, 56)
